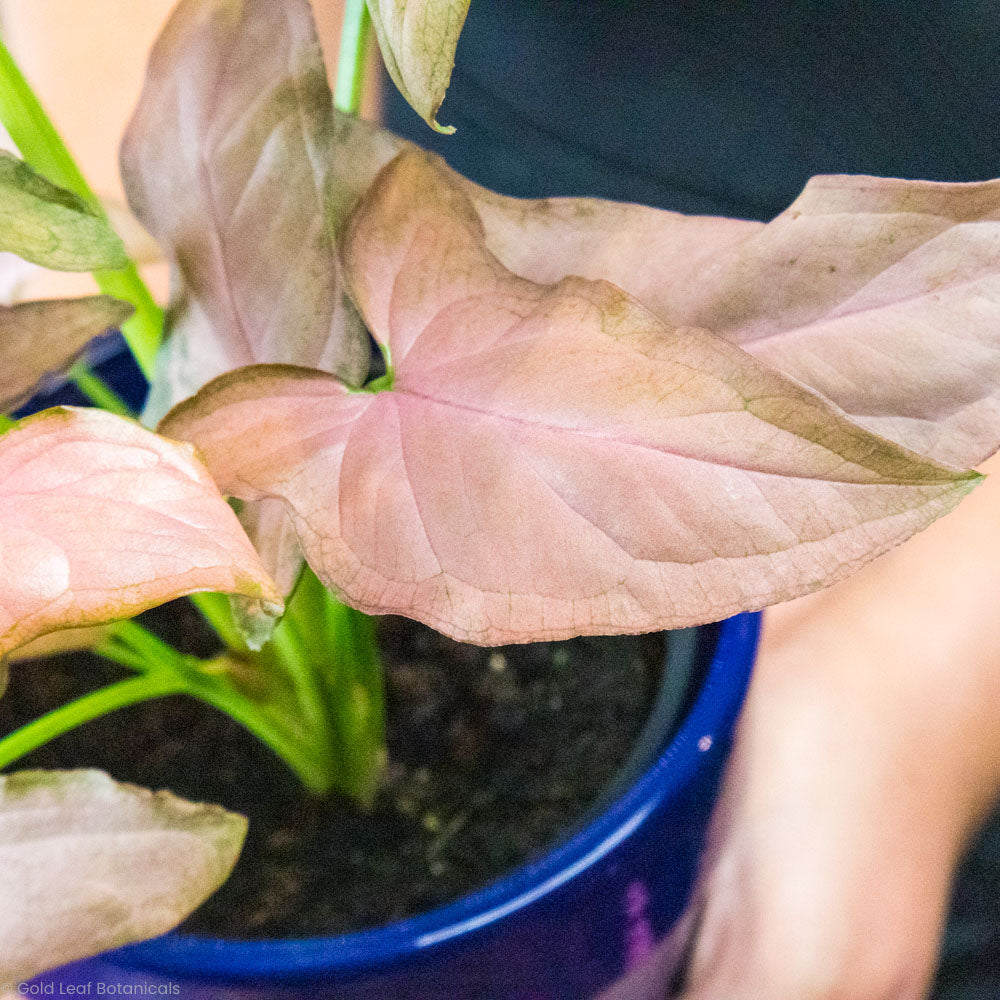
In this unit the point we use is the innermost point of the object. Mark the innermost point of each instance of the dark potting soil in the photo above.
(494, 753)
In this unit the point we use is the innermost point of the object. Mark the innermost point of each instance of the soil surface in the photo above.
(494, 754)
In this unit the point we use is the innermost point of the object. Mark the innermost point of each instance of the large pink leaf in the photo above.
(883, 295)
(550, 460)
(101, 519)
(859, 274)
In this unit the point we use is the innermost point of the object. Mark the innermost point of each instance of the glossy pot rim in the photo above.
(350, 955)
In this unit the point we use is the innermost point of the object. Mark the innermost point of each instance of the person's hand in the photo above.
(868, 751)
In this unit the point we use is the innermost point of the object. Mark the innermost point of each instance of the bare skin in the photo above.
(868, 753)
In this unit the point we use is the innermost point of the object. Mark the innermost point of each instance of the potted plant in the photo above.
(548, 442)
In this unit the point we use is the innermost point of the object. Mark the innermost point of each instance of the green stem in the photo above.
(333, 659)
(98, 391)
(152, 647)
(307, 760)
(143, 330)
(214, 609)
(354, 32)
(119, 652)
(138, 649)
(359, 705)
(42, 147)
(313, 771)
(287, 648)
(33, 132)
(91, 706)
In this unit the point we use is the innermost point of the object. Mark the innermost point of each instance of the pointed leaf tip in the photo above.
(418, 39)
(859, 274)
(101, 519)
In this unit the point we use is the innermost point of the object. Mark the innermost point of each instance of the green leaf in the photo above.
(51, 226)
(39, 338)
(418, 39)
(87, 864)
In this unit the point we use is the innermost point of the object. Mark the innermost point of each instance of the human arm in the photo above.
(868, 753)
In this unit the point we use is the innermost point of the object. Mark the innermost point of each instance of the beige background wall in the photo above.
(86, 59)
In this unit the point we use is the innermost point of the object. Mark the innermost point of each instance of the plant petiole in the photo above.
(98, 391)
(154, 652)
(354, 31)
(214, 608)
(341, 678)
(307, 754)
(308, 758)
(155, 684)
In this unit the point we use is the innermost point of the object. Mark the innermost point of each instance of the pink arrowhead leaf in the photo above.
(235, 162)
(882, 295)
(101, 519)
(37, 338)
(550, 460)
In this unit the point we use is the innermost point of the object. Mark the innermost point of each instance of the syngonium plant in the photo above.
(512, 420)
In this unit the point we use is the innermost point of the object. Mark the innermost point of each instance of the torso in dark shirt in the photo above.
(719, 106)
(728, 107)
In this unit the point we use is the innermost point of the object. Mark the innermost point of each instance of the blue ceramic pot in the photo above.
(590, 919)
